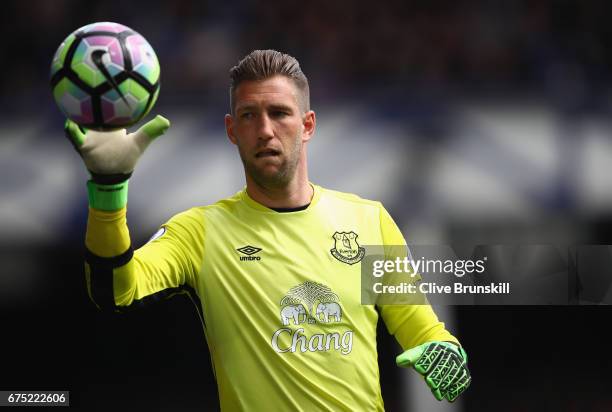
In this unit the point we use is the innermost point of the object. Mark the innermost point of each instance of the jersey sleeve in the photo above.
(117, 276)
(411, 325)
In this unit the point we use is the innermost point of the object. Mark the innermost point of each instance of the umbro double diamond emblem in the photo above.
(248, 252)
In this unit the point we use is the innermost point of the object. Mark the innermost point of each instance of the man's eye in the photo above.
(246, 115)
(279, 113)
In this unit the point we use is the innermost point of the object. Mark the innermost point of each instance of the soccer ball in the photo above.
(105, 76)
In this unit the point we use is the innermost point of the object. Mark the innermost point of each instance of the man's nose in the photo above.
(264, 127)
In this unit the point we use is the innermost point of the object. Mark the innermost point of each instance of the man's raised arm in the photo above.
(118, 276)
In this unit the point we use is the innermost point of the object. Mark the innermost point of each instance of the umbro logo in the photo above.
(249, 251)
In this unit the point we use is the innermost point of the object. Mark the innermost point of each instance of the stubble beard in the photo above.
(283, 176)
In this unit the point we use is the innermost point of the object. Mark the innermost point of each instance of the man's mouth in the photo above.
(267, 153)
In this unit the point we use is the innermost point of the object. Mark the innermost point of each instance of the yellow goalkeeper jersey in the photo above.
(279, 293)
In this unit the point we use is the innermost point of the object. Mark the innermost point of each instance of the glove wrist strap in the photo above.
(107, 197)
(109, 179)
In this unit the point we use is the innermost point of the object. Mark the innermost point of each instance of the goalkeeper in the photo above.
(272, 268)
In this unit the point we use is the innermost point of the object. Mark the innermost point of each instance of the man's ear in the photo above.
(229, 128)
(309, 123)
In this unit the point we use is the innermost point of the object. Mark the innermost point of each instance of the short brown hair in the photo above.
(264, 64)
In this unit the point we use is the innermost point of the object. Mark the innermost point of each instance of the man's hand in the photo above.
(113, 152)
(111, 158)
(442, 364)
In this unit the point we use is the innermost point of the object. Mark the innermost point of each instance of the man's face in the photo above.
(269, 128)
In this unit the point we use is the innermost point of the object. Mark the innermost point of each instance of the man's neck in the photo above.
(295, 194)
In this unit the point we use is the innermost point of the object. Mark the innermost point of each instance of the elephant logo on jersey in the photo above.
(309, 303)
(293, 312)
(327, 311)
(346, 249)
(299, 305)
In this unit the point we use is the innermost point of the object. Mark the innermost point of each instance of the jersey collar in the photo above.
(258, 206)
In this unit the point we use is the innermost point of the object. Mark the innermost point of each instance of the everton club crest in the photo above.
(346, 249)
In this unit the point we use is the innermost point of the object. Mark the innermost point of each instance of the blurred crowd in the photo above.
(552, 48)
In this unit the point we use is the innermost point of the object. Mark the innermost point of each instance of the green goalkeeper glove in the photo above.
(442, 364)
(111, 158)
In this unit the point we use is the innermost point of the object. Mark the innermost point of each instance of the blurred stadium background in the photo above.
(473, 122)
